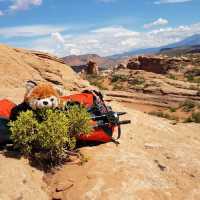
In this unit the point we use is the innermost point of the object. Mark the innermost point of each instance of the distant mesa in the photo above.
(157, 64)
(81, 60)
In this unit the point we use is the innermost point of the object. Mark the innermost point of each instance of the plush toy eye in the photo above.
(38, 99)
(52, 99)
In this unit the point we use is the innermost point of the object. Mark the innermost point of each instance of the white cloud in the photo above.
(110, 40)
(24, 4)
(158, 22)
(171, 1)
(116, 31)
(30, 31)
(105, 41)
(57, 37)
(109, 43)
(1, 13)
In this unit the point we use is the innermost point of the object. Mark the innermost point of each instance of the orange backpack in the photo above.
(104, 120)
(5, 108)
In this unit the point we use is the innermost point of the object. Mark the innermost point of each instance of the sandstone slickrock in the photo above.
(19, 65)
(155, 160)
(18, 180)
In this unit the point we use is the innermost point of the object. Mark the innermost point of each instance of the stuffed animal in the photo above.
(41, 95)
(38, 96)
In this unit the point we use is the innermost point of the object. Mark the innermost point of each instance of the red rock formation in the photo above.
(157, 64)
(92, 68)
(121, 66)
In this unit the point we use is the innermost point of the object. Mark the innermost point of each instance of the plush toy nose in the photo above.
(45, 103)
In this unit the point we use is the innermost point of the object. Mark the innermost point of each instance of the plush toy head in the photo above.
(41, 95)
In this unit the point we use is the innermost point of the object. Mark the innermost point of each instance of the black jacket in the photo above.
(18, 109)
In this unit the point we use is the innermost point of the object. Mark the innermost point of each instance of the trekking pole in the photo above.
(121, 113)
(101, 124)
(116, 114)
(124, 122)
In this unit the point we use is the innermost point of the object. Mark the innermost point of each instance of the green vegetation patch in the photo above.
(188, 105)
(45, 136)
(195, 117)
(172, 109)
(119, 78)
(139, 80)
(193, 75)
(172, 76)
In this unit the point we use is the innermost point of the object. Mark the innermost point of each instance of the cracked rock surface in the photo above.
(155, 160)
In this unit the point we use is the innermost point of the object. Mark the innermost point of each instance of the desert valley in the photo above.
(99, 100)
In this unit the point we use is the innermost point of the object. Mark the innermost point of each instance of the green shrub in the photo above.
(172, 109)
(190, 78)
(193, 75)
(188, 105)
(171, 76)
(24, 132)
(139, 80)
(46, 135)
(118, 77)
(195, 117)
(79, 120)
(193, 79)
(117, 86)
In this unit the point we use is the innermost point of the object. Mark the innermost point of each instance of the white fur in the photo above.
(50, 102)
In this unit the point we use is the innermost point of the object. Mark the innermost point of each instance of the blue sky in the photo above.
(105, 27)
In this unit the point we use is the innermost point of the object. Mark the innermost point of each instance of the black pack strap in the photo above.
(114, 141)
(94, 92)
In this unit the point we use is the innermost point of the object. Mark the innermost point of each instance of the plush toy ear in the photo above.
(30, 85)
(60, 90)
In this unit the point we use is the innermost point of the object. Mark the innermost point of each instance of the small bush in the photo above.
(117, 86)
(137, 80)
(193, 75)
(116, 78)
(24, 132)
(45, 136)
(188, 105)
(195, 117)
(190, 78)
(79, 120)
(172, 76)
(172, 109)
